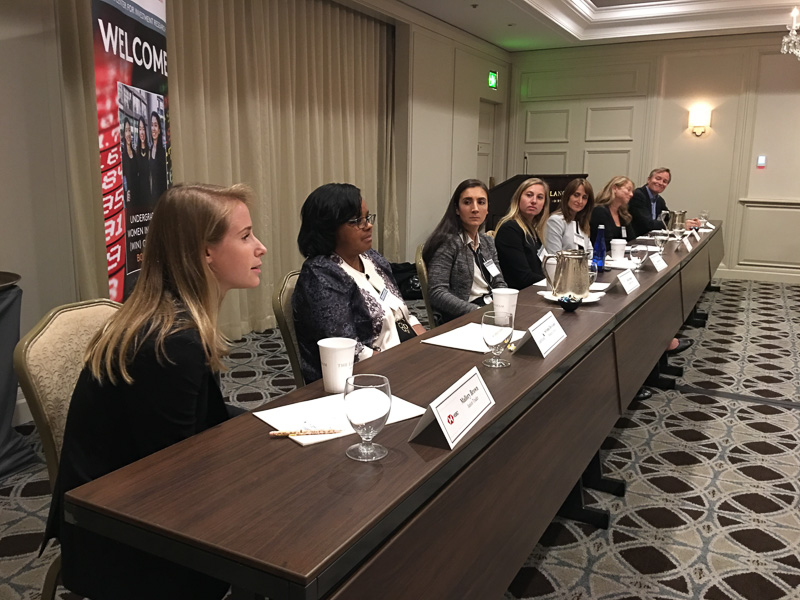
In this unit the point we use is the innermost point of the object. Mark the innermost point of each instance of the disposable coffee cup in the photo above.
(505, 300)
(336, 356)
(618, 249)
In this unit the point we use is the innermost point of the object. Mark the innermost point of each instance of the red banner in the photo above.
(130, 70)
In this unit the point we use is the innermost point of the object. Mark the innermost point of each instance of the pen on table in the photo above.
(303, 432)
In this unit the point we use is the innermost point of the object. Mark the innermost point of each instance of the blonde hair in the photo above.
(607, 195)
(176, 289)
(537, 227)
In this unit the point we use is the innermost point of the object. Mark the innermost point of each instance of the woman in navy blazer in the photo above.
(149, 382)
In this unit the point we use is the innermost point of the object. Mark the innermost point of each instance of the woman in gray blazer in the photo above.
(462, 262)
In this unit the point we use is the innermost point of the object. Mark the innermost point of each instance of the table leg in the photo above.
(575, 510)
(594, 479)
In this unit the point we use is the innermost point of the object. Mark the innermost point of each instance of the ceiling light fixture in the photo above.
(791, 42)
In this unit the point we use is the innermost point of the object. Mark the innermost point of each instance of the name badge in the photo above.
(491, 267)
(628, 281)
(578, 240)
(390, 299)
(658, 262)
(547, 333)
(624, 232)
(696, 235)
(542, 253)
(458, 409)
(687, 244)
(384, 293)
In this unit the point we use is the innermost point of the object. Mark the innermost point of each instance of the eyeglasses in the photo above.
(362, 222)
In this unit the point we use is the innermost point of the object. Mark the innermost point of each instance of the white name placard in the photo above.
(709, 225)
(458, 409)
(659, 263)
(687, 244)
(547, 333)
(628, 281)
(696, 235)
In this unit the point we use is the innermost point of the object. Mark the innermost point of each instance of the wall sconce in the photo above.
(699, 118)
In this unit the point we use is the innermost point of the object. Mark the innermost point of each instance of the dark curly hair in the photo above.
(325, 209)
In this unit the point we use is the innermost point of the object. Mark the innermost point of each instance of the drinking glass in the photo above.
(497, 329)
(703, 217)
(661, 239)
(367, 400)
(638, 256)
(592, 272)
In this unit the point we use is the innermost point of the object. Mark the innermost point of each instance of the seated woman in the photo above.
(611, 210)
(149, 382)
(568, 227)
(462, 261)
(520, 233)
(345, 289)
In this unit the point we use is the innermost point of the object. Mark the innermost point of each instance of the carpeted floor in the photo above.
(712, 468)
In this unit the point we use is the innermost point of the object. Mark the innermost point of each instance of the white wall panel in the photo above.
(547, 126)
(769, 235)
(609, 123)
(550, 163)
(602, 165)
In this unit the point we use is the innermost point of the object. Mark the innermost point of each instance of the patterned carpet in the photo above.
(712, 468)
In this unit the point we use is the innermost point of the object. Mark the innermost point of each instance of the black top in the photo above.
(110, 426)
(601, 215)
(641, 210)
(519, 256)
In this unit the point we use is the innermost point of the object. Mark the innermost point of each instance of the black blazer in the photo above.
(110, 426)
(518, 254)
(641, 211)
(601, 215)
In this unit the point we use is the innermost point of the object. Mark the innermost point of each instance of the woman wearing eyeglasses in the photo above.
(462, 262)
(345, 289)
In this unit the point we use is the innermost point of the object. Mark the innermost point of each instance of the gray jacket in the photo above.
(450, 274)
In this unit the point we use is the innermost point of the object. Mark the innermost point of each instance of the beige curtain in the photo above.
(74, 23)
(284, 95)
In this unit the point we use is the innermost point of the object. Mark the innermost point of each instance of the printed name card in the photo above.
(458, 409)
(547, 333)
(687, 244)
(628, 280)
(696, 235)
(709, 225)
(659, 263)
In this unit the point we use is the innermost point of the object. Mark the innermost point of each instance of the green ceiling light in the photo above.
(493, 79)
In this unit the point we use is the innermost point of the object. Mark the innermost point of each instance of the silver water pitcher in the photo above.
(571, 274)
(673, 220)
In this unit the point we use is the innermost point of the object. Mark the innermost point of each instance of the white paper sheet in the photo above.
(466, 337)
(327, 413)
(595, 287)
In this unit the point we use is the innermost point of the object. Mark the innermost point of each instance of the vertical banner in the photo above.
(130, 72)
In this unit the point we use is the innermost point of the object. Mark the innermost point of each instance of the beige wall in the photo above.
(623, 109)
(35, 237)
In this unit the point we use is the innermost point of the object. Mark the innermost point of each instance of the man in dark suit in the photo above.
(647, 204)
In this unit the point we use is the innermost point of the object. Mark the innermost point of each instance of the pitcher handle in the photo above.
(546, 274)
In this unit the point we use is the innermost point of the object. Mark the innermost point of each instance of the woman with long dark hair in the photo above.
(157, 159)
(149, 381)
(568, 227)
(461, 260)
(130, 166)
(345, 288)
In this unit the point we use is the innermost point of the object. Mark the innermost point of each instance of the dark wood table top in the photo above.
(297, 513)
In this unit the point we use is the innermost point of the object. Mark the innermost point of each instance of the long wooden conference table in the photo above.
(289, 522)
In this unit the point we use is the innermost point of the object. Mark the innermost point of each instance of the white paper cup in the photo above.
(336, 356)
(618, 249)
(505, 300)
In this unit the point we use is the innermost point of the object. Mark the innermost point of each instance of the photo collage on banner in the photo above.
(130, 59)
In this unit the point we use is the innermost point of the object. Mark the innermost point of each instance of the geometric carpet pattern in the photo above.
(712, 505)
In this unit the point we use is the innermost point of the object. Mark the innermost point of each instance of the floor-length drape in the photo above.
(284, 95)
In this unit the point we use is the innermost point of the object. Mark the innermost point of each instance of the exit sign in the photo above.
(493, 79)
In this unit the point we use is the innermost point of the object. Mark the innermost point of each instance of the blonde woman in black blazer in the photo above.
(149, 381)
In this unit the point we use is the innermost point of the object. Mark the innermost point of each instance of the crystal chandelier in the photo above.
(791, 42)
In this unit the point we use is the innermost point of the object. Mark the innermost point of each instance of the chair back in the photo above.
(422, 275)
(282, 306)
(48, 360)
